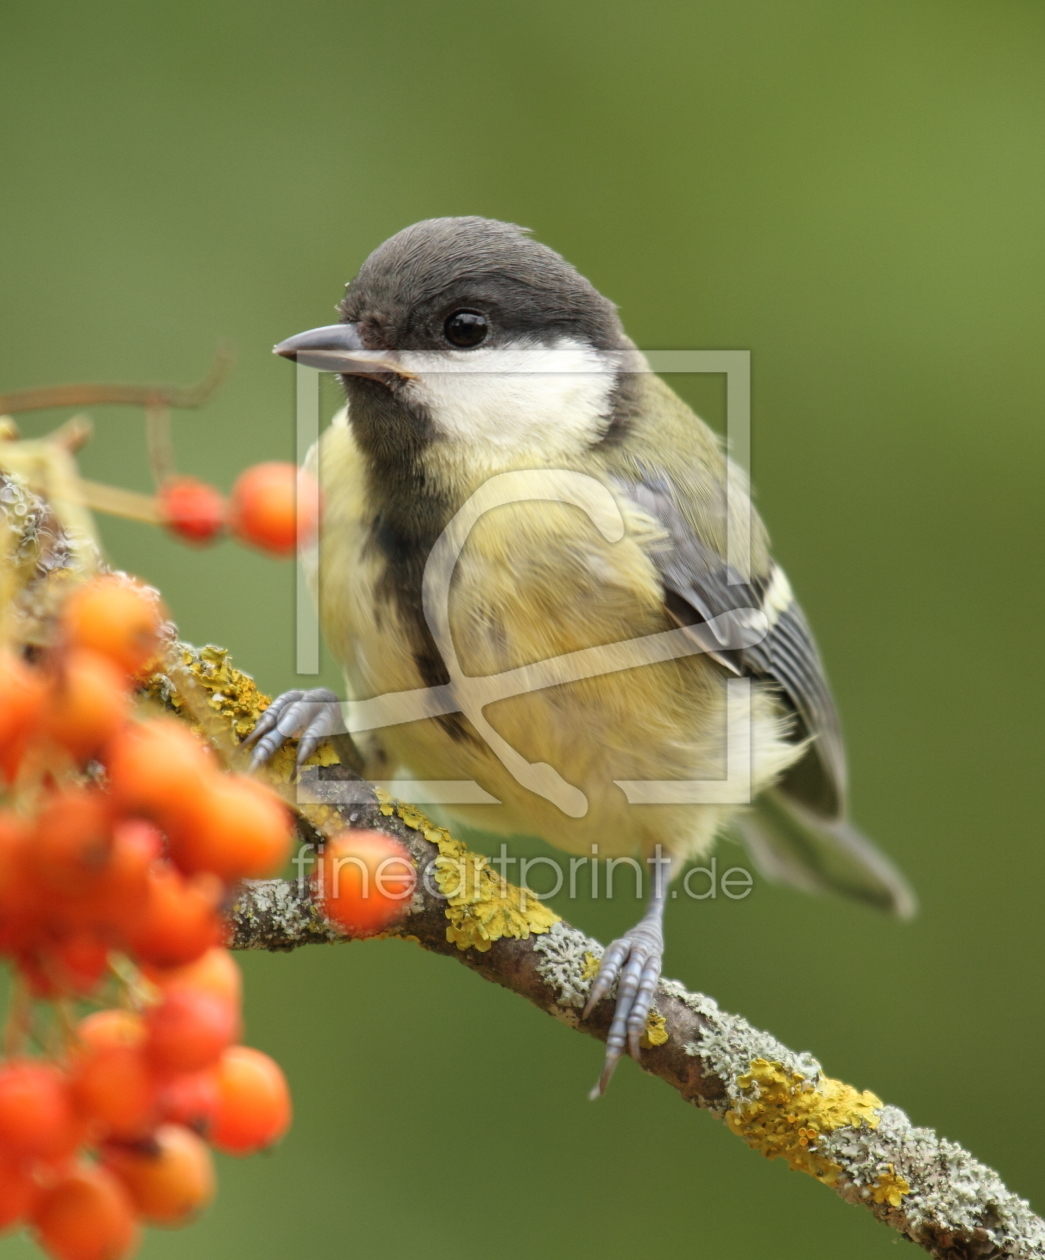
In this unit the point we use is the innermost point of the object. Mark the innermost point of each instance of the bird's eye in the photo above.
(465, 328)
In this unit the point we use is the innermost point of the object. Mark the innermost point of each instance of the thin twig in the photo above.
(74, 434)
(89, 394)
(159, 441)
(115, 501)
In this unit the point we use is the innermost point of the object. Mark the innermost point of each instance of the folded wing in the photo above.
(796, 832)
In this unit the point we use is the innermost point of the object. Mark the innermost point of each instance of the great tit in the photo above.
(473, 357)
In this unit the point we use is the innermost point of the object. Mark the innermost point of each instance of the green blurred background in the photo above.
(855, 193)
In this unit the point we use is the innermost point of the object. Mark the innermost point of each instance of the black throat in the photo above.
(405, 516)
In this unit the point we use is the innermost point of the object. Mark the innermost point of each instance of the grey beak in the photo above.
(339, 348)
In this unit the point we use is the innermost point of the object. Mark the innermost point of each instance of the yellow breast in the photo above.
(535, 580)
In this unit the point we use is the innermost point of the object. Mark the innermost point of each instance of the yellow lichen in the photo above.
(237, 699)
(237, 703)
(783, 1115)
(591, 966)
(656, 1033)
(890, 1188)
(481, 906)
(231, 693)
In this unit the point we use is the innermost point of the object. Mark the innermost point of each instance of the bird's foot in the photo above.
(311, 715)
(634, 961)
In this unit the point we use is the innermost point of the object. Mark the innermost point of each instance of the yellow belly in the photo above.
(533, 582)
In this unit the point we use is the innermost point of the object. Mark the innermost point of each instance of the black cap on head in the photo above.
(410, 286)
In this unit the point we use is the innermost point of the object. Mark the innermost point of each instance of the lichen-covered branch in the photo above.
(779, 1102)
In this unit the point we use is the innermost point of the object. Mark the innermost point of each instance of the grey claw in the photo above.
(312, 715)
(634, 963)
(308, 743)
(609, 966)
(603, 1083)
(271, 716)
(639, 1013)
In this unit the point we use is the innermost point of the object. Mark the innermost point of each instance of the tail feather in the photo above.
(792, 845)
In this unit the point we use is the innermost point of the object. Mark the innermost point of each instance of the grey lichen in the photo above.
(866, 1154)
(44, 556)
(26, 514)
(728, 1045)
(563, 963)
(277, 914)
(951, 1193)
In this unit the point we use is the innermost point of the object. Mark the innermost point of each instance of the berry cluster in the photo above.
(273, 506)
(120, 841)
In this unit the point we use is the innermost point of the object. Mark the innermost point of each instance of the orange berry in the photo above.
(119, 901)
(23, 692)
(108, 901)
(253, 1102)
(181, 920)
(75, 965)
(87, 703)
(19, 917)
(81, 963)
(191, 1099)
(115, 1090)
(157, 768)
(216, 972)
(117, 617)
(18, 1192)
(169, 1178)
(237, 829)
(72, 844)
(36, 1110)
(102, 1030)
(189, 1030)
(274, 507)
(192, 510)
(88, 1215)
(364, 881)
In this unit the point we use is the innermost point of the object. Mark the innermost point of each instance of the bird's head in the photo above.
(465, 331)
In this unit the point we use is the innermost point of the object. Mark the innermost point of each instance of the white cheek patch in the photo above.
(517, 396)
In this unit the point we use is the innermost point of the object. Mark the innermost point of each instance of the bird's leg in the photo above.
(312, 715)
(633, 962)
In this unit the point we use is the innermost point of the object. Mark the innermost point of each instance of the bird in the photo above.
(511, 493)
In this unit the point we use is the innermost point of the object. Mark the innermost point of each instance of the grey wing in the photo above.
(798, 831)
